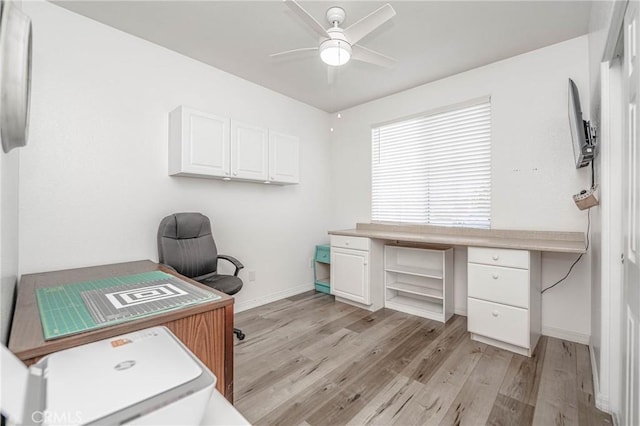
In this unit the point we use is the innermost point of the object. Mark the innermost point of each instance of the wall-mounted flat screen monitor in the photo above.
(583, 146)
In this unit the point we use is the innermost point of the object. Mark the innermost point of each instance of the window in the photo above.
(435, 168)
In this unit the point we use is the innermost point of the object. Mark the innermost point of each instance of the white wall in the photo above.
(9, 164)
(94, 182)
(533, 173)
(600, 19)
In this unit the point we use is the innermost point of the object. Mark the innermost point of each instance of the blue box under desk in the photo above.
(322, 269)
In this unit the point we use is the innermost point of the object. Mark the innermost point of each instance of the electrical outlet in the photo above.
(252, 275)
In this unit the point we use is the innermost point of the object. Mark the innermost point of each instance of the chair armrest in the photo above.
(233, 260)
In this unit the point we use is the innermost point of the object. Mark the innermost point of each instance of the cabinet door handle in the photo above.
(496, 257)
(346, 243)
(364, 263)
(495, 276)
(495, 313)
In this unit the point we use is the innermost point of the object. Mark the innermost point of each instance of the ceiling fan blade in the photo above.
(307, 18)
(360, 53)
(364, 26)
(292, 51)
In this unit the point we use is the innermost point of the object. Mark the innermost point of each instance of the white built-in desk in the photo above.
(563, 242)
(503, 275)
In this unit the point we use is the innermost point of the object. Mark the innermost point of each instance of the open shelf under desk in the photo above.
(416, 289)
(415, 270)
(417, 307)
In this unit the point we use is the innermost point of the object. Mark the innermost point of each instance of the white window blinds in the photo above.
(434, 169)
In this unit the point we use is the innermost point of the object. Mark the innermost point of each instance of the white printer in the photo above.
(147, 377)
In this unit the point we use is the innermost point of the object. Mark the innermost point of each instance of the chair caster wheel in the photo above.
(241, 336)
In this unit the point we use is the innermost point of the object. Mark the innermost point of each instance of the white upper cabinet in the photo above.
(249, 151)
(198, 143)
(205, 145)
(284, 158)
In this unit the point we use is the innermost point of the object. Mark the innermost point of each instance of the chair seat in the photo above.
(227, 284)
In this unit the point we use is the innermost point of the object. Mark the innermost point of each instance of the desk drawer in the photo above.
(500, 322)
(500, 257)
(356, 243)
(498, 284)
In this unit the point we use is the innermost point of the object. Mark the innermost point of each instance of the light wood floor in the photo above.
(311, 360)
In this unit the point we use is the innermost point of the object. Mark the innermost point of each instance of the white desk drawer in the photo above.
(499, 284)
(500, 322)
(356, 243)
(500, 257)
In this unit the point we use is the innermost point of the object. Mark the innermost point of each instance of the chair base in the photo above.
(239, 333)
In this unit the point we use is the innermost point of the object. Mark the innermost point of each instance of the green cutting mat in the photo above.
(63, 311)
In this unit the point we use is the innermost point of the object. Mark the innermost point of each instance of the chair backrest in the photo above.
(185, 242)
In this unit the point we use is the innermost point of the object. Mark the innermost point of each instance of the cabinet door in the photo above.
(284, 158)
(249, 151)
(350, 274)
(199, 143)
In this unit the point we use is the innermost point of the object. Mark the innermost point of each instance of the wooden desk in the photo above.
(206, 329)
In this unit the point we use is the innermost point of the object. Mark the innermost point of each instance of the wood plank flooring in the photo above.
(309, 360)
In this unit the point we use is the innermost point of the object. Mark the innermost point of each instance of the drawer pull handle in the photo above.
(346, 243)
(495, 313)
(496, 257)
(495, 276)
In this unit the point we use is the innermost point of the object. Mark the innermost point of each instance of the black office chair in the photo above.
(185, 243)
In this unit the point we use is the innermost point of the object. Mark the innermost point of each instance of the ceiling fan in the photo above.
(337, 46)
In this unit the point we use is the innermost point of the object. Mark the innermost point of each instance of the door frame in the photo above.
(608, 381)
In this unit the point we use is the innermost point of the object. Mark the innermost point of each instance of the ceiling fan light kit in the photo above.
(337, 45)
(335, 52)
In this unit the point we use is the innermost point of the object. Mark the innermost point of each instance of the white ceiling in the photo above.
(430, 39)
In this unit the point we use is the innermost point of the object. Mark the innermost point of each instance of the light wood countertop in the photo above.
(562, 242)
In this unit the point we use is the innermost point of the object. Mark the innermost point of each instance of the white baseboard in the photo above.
(462, 312)
(273, 297)
(571, 336)
(601, 400)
